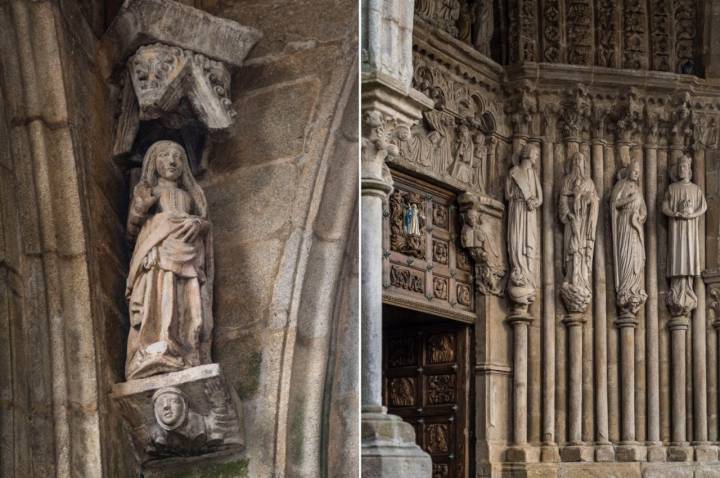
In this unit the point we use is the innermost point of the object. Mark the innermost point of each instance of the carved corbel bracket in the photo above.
(187, 413)
(175, 68)
(482, 245)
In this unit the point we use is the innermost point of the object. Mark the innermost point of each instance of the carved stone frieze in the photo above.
(443, 14)
(528, 10)
(407, 279)
(635, 54)
(685, 16)
(579, 32)
(552, 24)
(578, 208)
(482, 247)
(684, 204)
(660, 23)
(606, 28)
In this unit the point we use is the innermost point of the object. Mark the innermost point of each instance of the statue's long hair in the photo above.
(186, 181)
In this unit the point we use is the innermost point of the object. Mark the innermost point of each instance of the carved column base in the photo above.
(630, 451)
(604, 452)
(573, 453)
(389, 449)
(549, 453)
(705, 452)
(187, 413)
(522, 454)
(680, 452)
(656, 452)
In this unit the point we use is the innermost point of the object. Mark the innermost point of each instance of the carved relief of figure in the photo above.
(416, 149)
(483, 27)
(444, 130)
(628, 214)
(684, 203)
(524, 195)
(180, 431)
(169, 285)
(483, 249)
(578, 205)
(480, 161)
(464, 153)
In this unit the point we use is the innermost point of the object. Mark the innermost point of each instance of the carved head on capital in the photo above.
(171, 408)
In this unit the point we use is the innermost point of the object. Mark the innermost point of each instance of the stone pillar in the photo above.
(703, 450)
(387, 443)
(655, 450)
(628, 449)
(604, 450)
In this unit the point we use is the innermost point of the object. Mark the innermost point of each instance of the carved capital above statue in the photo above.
(175, 68)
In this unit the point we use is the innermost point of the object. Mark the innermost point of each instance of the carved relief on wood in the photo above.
(464, 295)
(578, 209)
(407, 279)
(440, 251)
(628, 214)
(402, 392)
(683, 204)
(437, 436)
(441, 389)
(440, 288)
(407, 223)
(441, 348)
(401, 352)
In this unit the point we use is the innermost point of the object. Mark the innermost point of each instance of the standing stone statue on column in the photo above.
(524, 195)
(578, 205)
(684, 203)
(628, 214)
(169, 285)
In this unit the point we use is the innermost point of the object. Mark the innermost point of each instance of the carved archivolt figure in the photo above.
(578, 205)
(414, 148)
(483, 27)
(684, 203)
(628, 214)
(524, 195)
(464, 154)
(169, 285)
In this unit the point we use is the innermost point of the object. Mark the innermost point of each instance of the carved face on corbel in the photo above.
(155, 70)
(171, 408)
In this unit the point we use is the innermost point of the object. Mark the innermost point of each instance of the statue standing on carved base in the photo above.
(524, 195)
(578, 205)
(169, 285)
(684, 203)
(628, 214)
(489, 268)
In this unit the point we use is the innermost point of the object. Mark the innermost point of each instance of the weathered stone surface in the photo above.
(389, 449)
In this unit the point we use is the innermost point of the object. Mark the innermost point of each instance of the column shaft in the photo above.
(520, 366)
(548, 320)
(651, 287)
(599, 302)
(678, 384)
(371, 300)
(699, 326)
(575, 330)
(627, 363)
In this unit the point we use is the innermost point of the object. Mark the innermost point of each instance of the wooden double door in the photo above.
(426, 382)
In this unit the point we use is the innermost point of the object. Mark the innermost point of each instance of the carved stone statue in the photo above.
(628, 214)
(524, 195)
(169, 284)
(684, 203)
(489, 268)
(483, 26)
(480, 157)
(578, 205)
(414, 148)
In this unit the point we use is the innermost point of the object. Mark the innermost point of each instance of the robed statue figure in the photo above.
(169, 285)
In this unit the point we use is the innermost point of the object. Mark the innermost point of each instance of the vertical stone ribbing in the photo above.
(635, 36)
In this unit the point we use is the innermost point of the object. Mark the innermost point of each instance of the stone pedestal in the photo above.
(680, 452)
(388, 447)
(604, 452)
(656, 452)
(181, 414)
(630, 451)
(706, 452)
(549, 454)
(582, 453)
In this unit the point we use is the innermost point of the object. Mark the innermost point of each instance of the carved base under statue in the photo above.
(389, 449)
(180, 414)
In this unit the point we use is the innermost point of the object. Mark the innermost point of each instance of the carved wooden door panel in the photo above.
(426, 382)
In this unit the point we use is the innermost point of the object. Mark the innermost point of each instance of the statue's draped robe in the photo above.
(628, 244)
(683, 244)
(522, 185)
(169, 304)
(463, 168)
